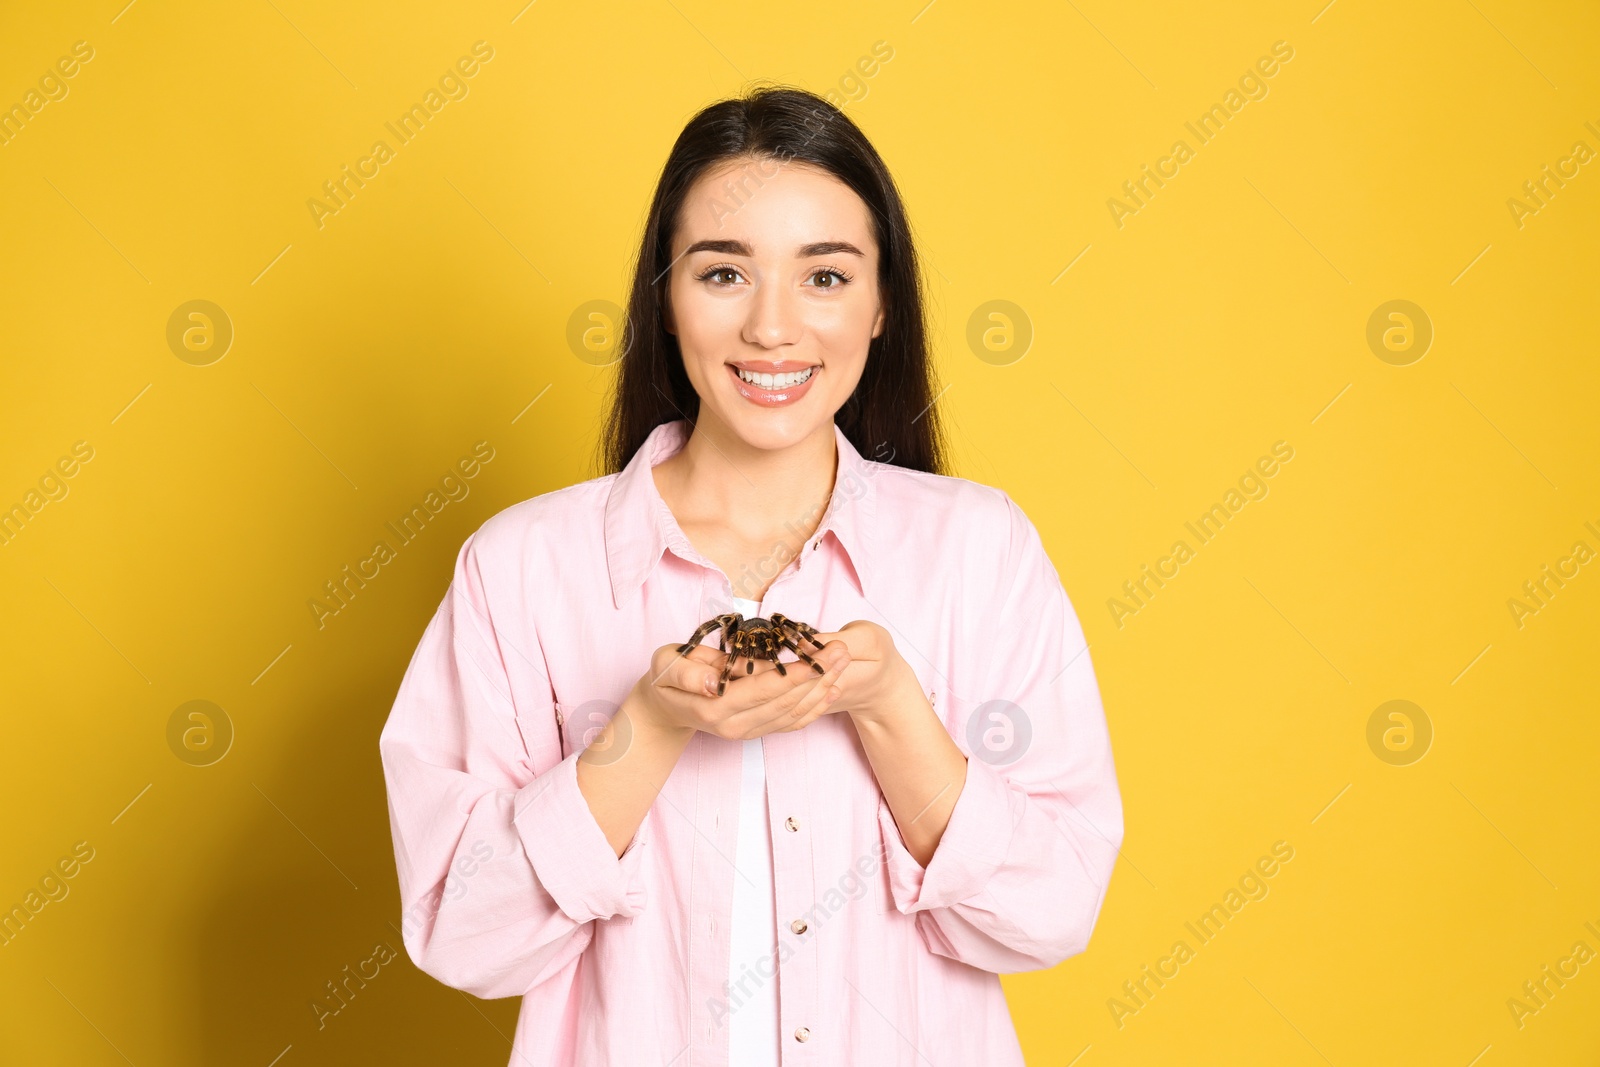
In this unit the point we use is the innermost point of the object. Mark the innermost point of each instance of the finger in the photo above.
(866, 641)
(696, 671)
(826, 704)
(755, 687)
(822, 702)
(818, 702)
(760, 717)
(766, 683)
(813, 697)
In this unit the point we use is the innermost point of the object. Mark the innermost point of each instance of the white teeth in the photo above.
(775, 381)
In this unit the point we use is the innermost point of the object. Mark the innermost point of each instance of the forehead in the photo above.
(772, 207)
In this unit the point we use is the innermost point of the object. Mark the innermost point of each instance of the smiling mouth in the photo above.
(786, 380)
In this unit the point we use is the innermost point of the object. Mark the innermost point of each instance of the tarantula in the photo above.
(756, 639)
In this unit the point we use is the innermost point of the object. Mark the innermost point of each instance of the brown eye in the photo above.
(715, 274)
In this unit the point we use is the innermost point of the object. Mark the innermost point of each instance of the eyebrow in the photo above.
(739, 248)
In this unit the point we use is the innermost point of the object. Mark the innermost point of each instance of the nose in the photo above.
(774, 317)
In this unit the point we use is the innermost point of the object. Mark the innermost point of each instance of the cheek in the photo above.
(843, 329)
(705, 327)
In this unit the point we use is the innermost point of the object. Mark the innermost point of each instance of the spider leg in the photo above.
(738, 644)
(730, 626)
(774, 641)
(722, 681)
(705, 628)
(810, 634)
(803, 654)
(800, 631)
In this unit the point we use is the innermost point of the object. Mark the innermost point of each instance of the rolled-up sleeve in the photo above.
(502, 866)
(1020, 873)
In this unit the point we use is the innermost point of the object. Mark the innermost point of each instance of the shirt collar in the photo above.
(639, 526)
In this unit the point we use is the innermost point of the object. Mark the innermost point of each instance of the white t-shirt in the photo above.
(753, 1024)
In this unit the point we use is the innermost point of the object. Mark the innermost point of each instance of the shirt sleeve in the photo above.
(1020, 872)
(502, 867)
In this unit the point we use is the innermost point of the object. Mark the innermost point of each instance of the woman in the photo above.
(677, 863)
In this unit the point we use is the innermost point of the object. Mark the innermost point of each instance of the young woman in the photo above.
(675, 859)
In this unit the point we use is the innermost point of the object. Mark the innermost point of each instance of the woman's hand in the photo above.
(676, 696)
(878, 681)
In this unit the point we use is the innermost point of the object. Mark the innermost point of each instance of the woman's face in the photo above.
(774, 272)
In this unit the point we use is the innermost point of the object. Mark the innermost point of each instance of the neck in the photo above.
(755, 493)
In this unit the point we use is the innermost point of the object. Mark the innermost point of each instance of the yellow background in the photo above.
(1229, 313)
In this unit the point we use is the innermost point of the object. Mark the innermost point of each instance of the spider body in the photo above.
(754, 639)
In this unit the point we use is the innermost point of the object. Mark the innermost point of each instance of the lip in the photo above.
(767, 366)
(772, 398)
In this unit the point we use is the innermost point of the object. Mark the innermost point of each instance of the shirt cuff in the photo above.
(973, 846)
(569, 852)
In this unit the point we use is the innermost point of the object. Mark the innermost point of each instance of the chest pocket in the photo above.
(579, 726)
(543, 737)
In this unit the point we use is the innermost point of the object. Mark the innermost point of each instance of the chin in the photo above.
(777, 430)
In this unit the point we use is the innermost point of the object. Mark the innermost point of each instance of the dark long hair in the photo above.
(890, 417)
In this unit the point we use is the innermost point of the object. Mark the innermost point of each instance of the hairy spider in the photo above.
(756, 639)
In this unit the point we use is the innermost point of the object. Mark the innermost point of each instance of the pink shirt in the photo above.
(509, 887)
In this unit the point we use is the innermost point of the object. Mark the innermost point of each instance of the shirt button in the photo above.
(791, 823)
(802, 1034)
(798, 926)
